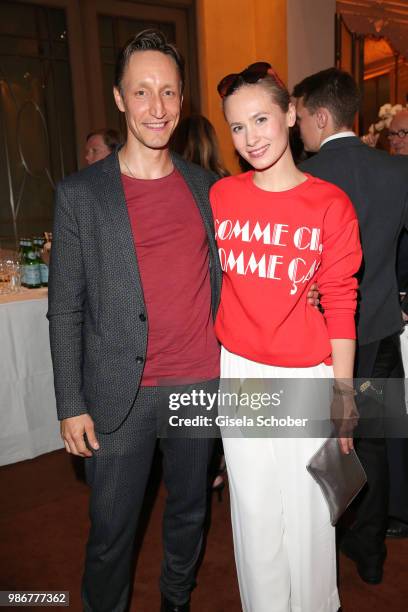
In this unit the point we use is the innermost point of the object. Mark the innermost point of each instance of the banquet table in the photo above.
(28, 418)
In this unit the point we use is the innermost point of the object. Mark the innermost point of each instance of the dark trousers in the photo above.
(376, 360)
(397, 450)
(118, 474)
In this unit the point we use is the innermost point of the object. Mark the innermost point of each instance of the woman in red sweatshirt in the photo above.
(278, 231)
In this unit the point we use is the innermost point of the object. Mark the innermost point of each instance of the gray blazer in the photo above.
(377, 185)
(97, 314)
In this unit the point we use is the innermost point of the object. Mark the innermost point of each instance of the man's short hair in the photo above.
(110, 137)
(147, 40)
(333, 89)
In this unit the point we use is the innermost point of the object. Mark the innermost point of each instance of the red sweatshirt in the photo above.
(272, 247)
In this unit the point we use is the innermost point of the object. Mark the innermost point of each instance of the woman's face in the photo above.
(259, 128)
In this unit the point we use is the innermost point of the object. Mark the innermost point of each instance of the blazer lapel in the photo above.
(114, 203)
(197, 190)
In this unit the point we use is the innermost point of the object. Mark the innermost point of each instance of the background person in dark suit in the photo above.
(398, 449)
(326, 104)
(398, 137)
(134, 286)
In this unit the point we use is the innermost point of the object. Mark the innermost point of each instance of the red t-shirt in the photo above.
(272, 247)
(172, 252)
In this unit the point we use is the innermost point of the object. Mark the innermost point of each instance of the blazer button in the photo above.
(139, 360)
(142, 316)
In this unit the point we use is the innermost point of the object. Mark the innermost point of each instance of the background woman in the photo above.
(278, 231)
(195, 140)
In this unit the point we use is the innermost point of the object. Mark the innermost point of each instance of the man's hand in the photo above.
(72, 432)
(313, 295)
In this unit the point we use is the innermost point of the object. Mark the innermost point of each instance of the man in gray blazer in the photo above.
(134, 286)
(376, 183)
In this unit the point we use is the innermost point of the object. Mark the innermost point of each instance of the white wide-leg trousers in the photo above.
(283, 541)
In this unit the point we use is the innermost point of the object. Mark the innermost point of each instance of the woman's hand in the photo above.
(343, 410)
(344, 415)
(346, 445)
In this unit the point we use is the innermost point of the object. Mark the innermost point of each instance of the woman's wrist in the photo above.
(342, 388)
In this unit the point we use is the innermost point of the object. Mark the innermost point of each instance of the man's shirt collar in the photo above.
(345, 134)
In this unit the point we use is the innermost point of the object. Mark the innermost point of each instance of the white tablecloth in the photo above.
(28, 421)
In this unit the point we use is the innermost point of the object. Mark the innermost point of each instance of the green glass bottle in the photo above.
(38, 243)
(32, 276)
(24, 262)
(21, 257)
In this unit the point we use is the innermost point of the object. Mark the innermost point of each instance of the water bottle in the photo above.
(31, 267)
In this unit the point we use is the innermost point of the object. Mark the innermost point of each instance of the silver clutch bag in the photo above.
(340, 477)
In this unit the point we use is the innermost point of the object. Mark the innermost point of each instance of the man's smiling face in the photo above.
(150, 96)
